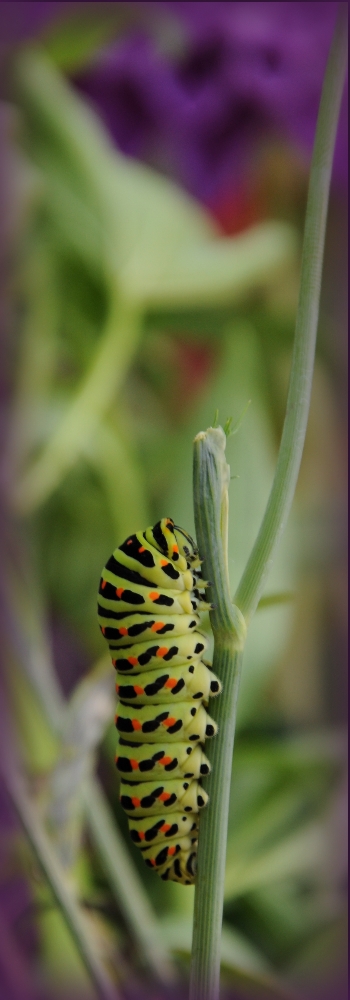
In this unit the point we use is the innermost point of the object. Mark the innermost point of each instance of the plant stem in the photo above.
(211, 508)
(211, 480)
(92, 399)
(253, 579)
(57, 880)
(32, 652)
(125, 883)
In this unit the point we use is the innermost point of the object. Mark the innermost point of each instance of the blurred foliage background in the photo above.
(154, 177)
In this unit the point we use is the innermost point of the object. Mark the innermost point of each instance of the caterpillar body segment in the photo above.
(159, 855)
(161, 761)
(167, 685)
(149, 798)
(156, 829)
(158, 652)
(148, 603)
(127, 597)
(133, 628)
(182, 869)
(186, 720)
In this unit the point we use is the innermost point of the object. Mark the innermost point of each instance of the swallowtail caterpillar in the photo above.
(148, 604)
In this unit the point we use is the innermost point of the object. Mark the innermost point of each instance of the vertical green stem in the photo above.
(92, 400)
(210, 505)
(48, 861)
(211, 480)
(281, 497)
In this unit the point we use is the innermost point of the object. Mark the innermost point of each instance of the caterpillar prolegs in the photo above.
(149, 599)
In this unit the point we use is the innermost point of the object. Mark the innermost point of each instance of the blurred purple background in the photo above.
(201, 111)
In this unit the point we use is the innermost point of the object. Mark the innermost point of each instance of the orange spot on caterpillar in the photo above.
(162, 651)
(117, 687)
(136, 803)
(153, 596)
(119, 591)
(134, 764)
(164, 796)
(168, 520)
(103, 630)
(141, 835)
(175, 548)
(122, 630)
(164, 562)
(132, 660)
(152, 861)
(156, 626)
(103, 584)
(164, 828)
(136, 724)
(168, 722)
(138, 690)
(114, 662)
(129, 541)
(165, 760)
(170, 683)
(142, 548)
(171, 850)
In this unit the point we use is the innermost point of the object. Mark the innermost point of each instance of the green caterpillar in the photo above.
(162, 687)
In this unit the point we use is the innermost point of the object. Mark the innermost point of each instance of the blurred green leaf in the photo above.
(125, 489)
(69, 567)
(153, 233)
(304, 851)
(283, 597)
(252, 456)
(64, 894)
(77, 34)
(155, 244)
(320, 968)
(248, 968)
(33, 657)
(38, 744)
(85, 719)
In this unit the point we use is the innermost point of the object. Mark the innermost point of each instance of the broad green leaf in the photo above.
(162, 247)
(156, 246)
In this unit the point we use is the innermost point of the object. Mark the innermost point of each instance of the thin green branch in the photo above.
(211, 478)
(57, 879)
(280, 501)
(271, 600)
(125, 882)
(33, 654)
(89, 405)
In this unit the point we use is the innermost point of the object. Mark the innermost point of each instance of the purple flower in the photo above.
(139, 98)
(247, 71)
(19, 20)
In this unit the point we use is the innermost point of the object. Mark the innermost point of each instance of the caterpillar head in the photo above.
(187, 547)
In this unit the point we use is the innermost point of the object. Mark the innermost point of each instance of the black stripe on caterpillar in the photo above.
(148, 604)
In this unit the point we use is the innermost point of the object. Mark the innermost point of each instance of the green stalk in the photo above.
(280, 501)
(56, 876)
(126, 885)
(33, 655)
(211, 480)
(90, 403)
(211, 509)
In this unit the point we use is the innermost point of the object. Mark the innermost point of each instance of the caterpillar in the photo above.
(148, 603)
